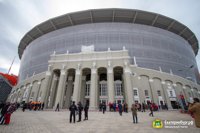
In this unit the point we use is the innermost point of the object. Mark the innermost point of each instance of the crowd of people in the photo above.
(8, 108)
(77, 110)
(32, 105)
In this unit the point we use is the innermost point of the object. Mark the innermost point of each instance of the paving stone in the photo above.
(58, 122)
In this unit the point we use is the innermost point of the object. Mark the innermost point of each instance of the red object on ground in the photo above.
(7, 118)
(12, 79)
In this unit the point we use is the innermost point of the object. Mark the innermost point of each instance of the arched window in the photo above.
(87, 88)
(103, 88)
(118, 88)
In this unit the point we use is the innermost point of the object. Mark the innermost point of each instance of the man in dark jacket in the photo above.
(73, 110)
(86, 110)
(80, 109)
(104, 107)
(120, 108)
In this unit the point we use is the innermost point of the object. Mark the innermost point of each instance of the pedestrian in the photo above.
(120, 108)
(100, 106)
(3, 112)
(57, 107)
(80, 109)
(103, 107)
(166, 107)
(24, 107)
(194, 108)
(9, 111)
(114, 107)
(73, 110)
(86, 110)
(125, 107)
(134, 113)
(143, 107)
(151, 109)
(39, 105)
(42, 106)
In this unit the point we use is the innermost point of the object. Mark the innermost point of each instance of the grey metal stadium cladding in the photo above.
(109, 15)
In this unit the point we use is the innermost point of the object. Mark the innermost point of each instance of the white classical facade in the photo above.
(105, 76)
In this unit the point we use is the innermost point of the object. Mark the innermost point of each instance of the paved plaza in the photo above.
(110, 122)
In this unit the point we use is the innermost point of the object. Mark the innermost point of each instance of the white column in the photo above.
(29, 92)
(153, 91)
(39, 86)
(166, 95)
(61, 88)
(128, 86)
(82, 92)
(45, 90)
(77, 86)
(53, 90)
(18, 93)
(110, 82)
(69, 91)
(93, 90)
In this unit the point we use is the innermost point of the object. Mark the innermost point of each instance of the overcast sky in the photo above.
(17, 17)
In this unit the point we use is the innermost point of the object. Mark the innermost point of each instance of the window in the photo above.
(171, 93)
(159, 94)
(87, 89)
(118, 88)
(135, 93)
(103, 88)
(146, 93)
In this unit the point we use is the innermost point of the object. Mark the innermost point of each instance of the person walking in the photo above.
(134, 113)
(57, 107)
(86, 110)
(103, 107)
(80, 109)
(194, 108)
(120, 108)
(73, 110)
(9, 111)
(42, 106)
(151, 109)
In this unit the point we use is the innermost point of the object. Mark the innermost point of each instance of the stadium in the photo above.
(108, 55)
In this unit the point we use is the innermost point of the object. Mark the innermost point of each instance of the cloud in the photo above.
(18, 18)
(5, 65)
